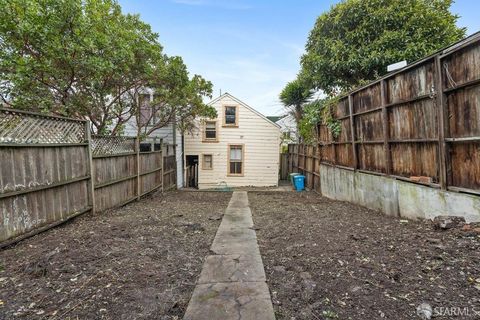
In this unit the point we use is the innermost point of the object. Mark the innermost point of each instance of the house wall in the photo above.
(288, 125)
(166, 133)
(261, 140)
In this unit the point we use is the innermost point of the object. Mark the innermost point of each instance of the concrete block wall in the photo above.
(396, 197)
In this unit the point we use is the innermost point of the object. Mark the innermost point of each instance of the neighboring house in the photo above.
(288, 128)
(239, 148)
(168, 134)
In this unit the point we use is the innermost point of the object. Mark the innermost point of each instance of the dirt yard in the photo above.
(137, 262)
(334, 260)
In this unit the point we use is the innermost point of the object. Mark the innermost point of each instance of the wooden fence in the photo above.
(419, 124)
(283, 174)
(51, 170)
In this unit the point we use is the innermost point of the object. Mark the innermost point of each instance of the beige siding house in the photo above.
(239, 148)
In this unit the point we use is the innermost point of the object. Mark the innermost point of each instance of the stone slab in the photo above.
(235, 241)
(232, 268)
(234, 300)
(249, 247)
(239, 200)
(232, 284)
(231, 221)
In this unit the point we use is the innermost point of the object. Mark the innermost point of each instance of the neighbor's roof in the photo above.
(226, 94)
(275, 118)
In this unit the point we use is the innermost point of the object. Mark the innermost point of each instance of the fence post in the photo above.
(442, 147)
(137, 149)
(90, 167)
(386, 133)
(163, 166)
(352, 129)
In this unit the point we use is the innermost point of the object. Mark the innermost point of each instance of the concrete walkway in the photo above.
(232, 283)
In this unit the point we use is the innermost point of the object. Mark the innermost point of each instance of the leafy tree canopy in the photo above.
(85, 59)
(293, 96)
(357, 39)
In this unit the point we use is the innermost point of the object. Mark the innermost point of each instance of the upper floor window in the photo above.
(210, 132)
(230, 116)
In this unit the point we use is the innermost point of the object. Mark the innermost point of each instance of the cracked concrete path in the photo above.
(232, 284)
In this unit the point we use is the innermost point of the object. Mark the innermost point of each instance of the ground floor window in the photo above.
(235, 160)
(207, 163)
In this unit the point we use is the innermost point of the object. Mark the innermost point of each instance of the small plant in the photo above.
(320, 111)
(329, 314)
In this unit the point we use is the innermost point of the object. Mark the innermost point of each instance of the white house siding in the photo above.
(167, 134)
(261, 140)
(288, 125)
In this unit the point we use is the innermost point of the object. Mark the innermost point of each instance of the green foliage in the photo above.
(319, 112)
(357, 39)
(86, 59)
(294, 96)
(295, 93)
(307, 127)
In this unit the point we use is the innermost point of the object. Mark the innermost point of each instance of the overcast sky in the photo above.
(250, 49)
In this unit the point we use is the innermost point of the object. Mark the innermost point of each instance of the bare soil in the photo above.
(327, 259)
(137, 262)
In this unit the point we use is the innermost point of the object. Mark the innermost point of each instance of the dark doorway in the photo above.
(192, 171)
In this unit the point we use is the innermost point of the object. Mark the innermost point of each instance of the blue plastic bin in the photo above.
(291, 177)
(299, 182)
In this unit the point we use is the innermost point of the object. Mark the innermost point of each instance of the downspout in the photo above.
(183, 159)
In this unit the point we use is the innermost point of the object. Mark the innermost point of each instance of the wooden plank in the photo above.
(36, 231)
(43, 187)
(41, 145)
(444, 163)
(385, 122)
(90, 168)
(137, 150)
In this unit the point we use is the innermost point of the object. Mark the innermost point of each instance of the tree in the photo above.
(85, 59)
(177, 98)
(294, 96)
(357, 39)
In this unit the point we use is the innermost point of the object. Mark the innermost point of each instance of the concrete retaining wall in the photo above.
(395, 197)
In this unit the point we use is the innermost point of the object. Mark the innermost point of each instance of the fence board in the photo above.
(423, 120)
(52, 170)
(43, 172)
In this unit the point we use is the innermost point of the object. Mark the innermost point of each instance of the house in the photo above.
(167, 134)
(288, 129)
(239, 148)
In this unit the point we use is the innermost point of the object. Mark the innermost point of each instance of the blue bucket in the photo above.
(293, 175)
(299, 182)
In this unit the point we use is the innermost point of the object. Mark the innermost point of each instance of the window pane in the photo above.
(207, 161)
(230, 114)
(236, 153)
(238, 167)
(210, 130)
(210, 134)
(235, 167)
(211, 125)
(230, 111)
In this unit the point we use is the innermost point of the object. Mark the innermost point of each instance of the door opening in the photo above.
(192, 171)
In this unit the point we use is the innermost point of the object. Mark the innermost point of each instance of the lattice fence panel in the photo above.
(20, 127)
(107, 145)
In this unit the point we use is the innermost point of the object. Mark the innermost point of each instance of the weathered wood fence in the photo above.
(419, 124)
(51, 170)
(283, 174)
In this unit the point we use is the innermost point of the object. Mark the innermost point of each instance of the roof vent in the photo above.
(396, 66)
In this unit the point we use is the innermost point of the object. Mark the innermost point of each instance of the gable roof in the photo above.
(275, 118)
(226, 94)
